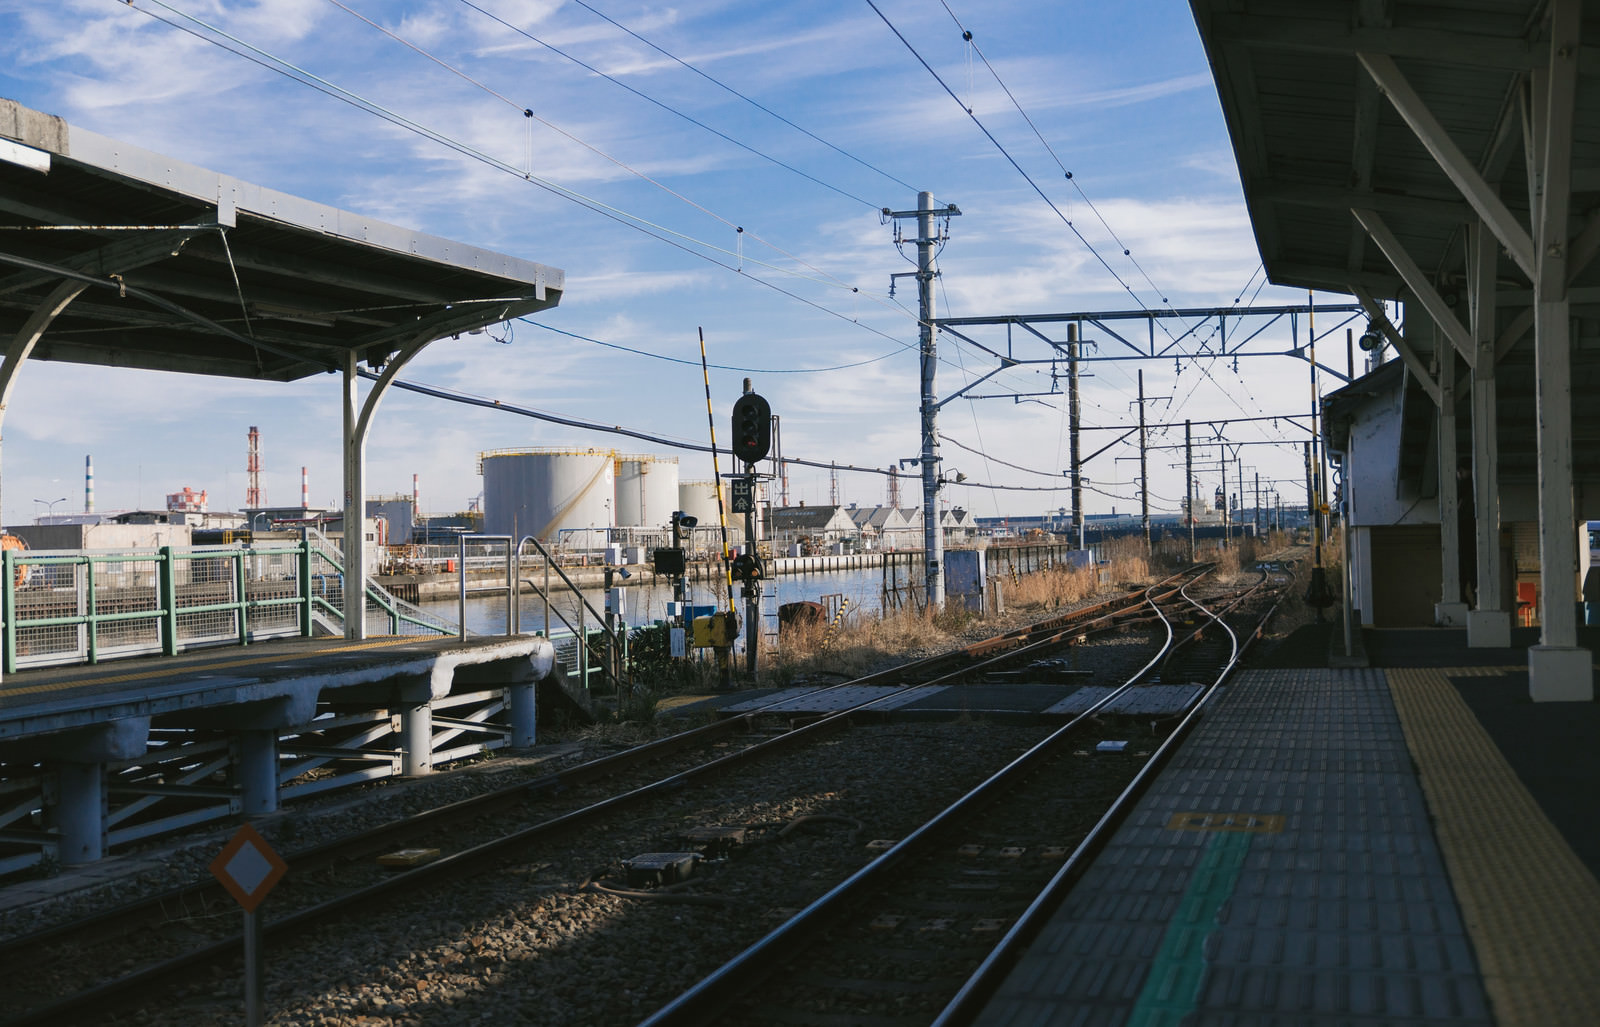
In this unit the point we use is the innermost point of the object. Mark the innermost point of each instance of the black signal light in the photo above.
(752, 428)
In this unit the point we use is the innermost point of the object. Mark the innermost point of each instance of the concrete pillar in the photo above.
(416, 740)
(522, 705)
(257, 759)
(80, 813)
(1450, 611)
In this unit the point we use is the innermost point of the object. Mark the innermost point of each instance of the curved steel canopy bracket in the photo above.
(27, 338)
(358, 416)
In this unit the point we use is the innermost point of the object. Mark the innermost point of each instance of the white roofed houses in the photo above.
(820, 524)
(958, 525)
(886, 527)
(876, 527)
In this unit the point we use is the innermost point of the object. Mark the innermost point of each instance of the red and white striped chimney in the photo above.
(305, 490)
(416, 498)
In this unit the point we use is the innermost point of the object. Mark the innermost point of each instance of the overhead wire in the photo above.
(655, 231)
(696, 363)
(972, 45)
(529, 113)
(1035, 186)
(756, 104)
(467, 399)
(668, 107)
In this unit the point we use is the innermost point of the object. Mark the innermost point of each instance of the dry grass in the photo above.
(863, 644)
(858, 646)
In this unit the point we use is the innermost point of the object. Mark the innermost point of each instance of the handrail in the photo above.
(248, 595)
(618, 645)
(550, 563)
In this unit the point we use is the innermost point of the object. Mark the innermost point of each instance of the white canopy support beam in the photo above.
(1417, 282)
(1414, 364)
(1451, 160)
(357, 423)
(1489, 622)
(1558, 670)
(28, 336)
(1451, 612)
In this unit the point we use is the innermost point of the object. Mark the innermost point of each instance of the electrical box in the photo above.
(654, 869)
(716, 842)
(670, 560)
(718, 631)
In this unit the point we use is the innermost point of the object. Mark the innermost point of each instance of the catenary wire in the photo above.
(641, 225)
(528, 112)
(696, 363)
(669, 108)
(757, 105)
(1035, 186)
(454, 396)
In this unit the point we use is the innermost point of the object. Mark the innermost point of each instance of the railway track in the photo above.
(179, 932)
(905, 937)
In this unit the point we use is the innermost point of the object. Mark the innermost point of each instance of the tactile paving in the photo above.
(1281, 870)
(1532, 907)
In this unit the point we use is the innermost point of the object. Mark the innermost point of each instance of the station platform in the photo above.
(1407, 843)
(94, 758)
(293, 672)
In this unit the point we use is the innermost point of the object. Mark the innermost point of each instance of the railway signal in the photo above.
(752, 428)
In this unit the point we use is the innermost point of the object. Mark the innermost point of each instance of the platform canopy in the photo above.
(1446, 154)
(1416, 117)
(191, 270)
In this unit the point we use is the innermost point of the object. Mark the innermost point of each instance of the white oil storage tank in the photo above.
(647, 491)
(549, 493)
(698, 499)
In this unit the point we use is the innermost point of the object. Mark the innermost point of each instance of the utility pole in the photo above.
(1144, 474)
(1257, 518)
(1073, 425)
(932, 533)
(1188, 478)
(1227, 517)
(1238, 477)
(1311, 503)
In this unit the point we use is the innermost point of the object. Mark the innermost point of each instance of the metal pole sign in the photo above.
(248, 869)
(744, 495)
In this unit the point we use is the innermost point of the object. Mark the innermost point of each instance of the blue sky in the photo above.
(1120, 92)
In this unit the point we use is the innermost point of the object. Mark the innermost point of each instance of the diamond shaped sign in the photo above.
(248, 867)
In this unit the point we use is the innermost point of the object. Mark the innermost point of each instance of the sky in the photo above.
(686, 120)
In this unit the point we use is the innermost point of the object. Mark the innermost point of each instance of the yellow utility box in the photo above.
(717, 631)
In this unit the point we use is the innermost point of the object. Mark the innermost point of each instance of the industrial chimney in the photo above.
(88, 483)
(253, 499)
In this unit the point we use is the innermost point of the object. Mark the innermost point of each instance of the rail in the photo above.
(980, 986)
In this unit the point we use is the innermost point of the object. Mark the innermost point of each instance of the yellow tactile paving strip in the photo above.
(1531, 907)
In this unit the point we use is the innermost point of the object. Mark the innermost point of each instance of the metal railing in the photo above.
(575, 652)
(84, 606)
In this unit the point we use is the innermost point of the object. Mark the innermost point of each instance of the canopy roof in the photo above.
(1316, 141)
(196, 271)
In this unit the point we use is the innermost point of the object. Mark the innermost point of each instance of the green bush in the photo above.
(654, 668)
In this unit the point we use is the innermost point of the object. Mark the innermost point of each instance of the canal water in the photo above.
(644, 604)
